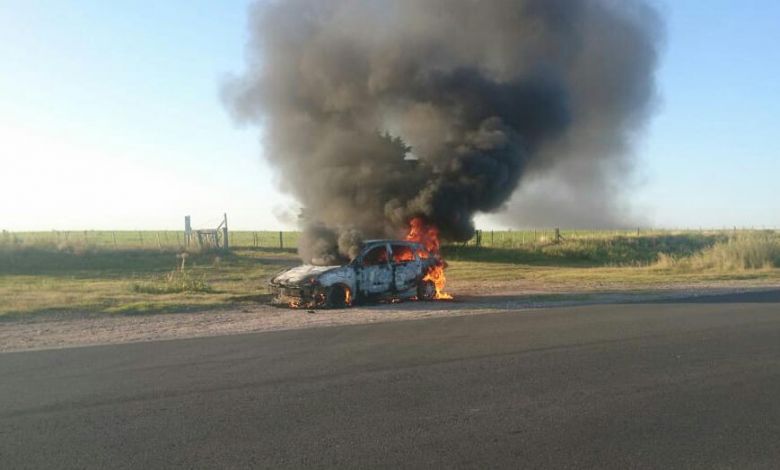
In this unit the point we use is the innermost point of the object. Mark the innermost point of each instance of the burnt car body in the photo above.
(384, 269)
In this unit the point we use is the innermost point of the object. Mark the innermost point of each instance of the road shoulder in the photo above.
(66, 331)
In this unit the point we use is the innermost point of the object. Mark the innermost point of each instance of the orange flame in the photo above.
(423, 233)
(436, 274)
(428, 235)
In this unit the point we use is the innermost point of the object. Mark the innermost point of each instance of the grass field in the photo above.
(106, 272)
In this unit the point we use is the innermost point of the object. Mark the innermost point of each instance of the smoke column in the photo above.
(375, 112)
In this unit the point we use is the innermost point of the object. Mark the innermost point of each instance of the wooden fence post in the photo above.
(187, 230)
(225, 233)
(281, 241)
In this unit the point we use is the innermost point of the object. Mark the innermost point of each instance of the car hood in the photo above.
(299, 274)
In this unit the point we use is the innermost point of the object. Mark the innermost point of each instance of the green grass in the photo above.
(45, 272)
(620, 250)
(40, 280)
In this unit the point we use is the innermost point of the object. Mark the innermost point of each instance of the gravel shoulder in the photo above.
(72, 330)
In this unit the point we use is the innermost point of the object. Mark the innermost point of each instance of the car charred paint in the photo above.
(384, 269)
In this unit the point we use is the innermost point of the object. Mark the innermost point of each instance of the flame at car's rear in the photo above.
(428, 235)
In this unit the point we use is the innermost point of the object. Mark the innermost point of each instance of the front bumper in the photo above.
(296, 296)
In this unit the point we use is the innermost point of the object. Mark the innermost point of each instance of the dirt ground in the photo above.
(69, 330)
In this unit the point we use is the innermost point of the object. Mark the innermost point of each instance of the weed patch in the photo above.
(174, 282)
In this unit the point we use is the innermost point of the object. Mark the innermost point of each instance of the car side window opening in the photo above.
(375, 256)
(402, 254)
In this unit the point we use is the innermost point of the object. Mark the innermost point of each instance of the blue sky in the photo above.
(711, 156)
(110, 117)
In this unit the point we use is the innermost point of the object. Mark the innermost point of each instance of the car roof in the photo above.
(392, 242)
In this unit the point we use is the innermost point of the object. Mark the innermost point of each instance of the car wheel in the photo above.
(337, 297)
(426, 290)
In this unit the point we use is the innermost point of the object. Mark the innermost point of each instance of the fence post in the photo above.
(187, 230)
(281, 241)
(225, 233)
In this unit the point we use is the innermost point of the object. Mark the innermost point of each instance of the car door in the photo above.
(376, 275)
(406, 266)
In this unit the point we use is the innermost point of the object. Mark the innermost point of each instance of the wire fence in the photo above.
(144, 239)
(175, 240)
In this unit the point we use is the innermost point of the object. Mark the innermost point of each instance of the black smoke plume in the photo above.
(375, 112)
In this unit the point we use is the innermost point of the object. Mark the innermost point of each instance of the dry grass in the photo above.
(741, 252)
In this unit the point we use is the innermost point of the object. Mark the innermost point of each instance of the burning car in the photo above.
(383, 270)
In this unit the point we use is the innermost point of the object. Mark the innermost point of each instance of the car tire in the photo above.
(426, 290)
(337, 297)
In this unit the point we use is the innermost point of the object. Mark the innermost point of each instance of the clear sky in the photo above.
(110, 117)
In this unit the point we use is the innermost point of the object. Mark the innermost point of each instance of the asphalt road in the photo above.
(663, 385)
